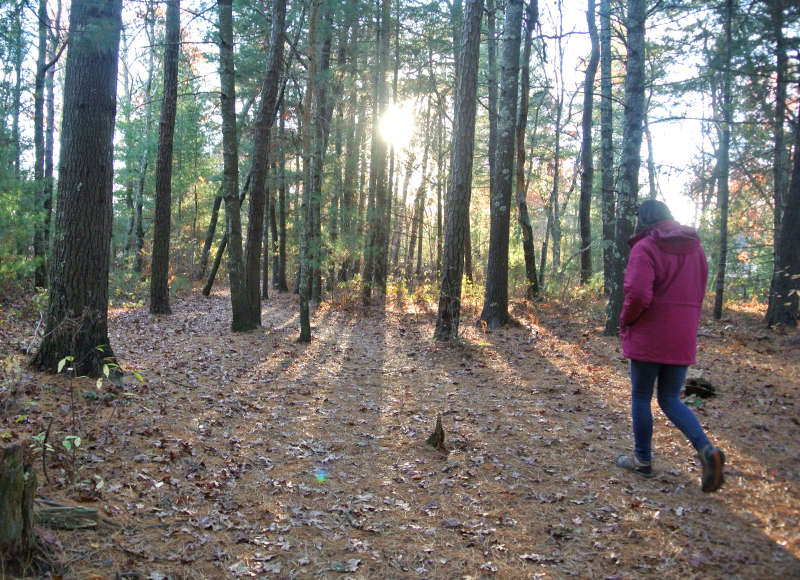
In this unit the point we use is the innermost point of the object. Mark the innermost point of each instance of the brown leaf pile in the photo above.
(245, 455)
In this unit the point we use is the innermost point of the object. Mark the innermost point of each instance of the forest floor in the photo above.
(249, 454)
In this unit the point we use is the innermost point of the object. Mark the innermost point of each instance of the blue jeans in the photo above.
(670, 379)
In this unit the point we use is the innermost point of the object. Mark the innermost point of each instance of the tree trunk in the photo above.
(43, 195)
(77, 312)
(17, 490)
(587, 166)
(49, 140)
(631, 160)
(306, 225)
(280, 271)
(320, 131)
(780, 162)
(261, 139)
(491, 81)
(230, 180)
(223, 244)
(784, 290)
(532, 291)
(375, 259)
(212, 228)
(495, 301)
(458, 195)
(18, 56)
(651, 164)
(270, 230)
(440, 179)
(159, 280)
(355, 129)
(608, 200)
(723, 162)
(138, 225)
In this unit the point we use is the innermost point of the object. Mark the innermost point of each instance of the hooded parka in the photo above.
(665, 283)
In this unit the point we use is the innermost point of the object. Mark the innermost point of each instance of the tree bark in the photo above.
(17, 490)
(261, 139)
(458, 195)
(608, 200)
(351, 238)
(375, 258)
(495, 301)
(212, 228)
(43, 201)
(587, 166)
(280, 271)
(49, 140)
(307, 229)
(159, 277)
(77, 312)
(138, 222)
(784, 289)
(532, 291)
(230, 170)
(779, 173)
(723, 161)
(631, 159)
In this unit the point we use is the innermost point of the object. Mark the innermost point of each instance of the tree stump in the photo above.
(436, 438)
(17, 488)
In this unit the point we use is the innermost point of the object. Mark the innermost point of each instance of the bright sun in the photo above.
(397, 125)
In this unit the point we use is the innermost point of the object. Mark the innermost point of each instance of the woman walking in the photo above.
(665, 283)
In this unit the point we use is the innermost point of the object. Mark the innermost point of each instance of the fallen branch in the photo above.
(64, 517)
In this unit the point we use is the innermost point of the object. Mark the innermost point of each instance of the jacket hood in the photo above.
(670, 236)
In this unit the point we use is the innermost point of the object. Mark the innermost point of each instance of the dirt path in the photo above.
(250, 455)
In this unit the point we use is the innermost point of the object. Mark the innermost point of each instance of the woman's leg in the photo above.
(643, 377)
(670, 380)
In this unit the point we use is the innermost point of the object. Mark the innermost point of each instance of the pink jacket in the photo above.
(665, 282)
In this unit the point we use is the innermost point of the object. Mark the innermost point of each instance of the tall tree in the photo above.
(230, 171)
(305, 266)
(531, 19)
(39, 246)
(17, 56)
(77, 311)
(50, 122)
(458, 195)
(375, 263)
(608, 201)
(587, 166)
(265, 119)
(784, 291)
(495, 301)
(159, 280)
(723, 155)
(279, 270)
(138, 219)
(779, 174)
(631, 151)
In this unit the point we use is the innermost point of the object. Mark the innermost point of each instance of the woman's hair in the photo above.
(650, 212)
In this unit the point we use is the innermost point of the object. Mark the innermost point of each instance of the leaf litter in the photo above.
(249, 455)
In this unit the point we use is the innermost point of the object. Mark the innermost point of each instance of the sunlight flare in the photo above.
(397, 125)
